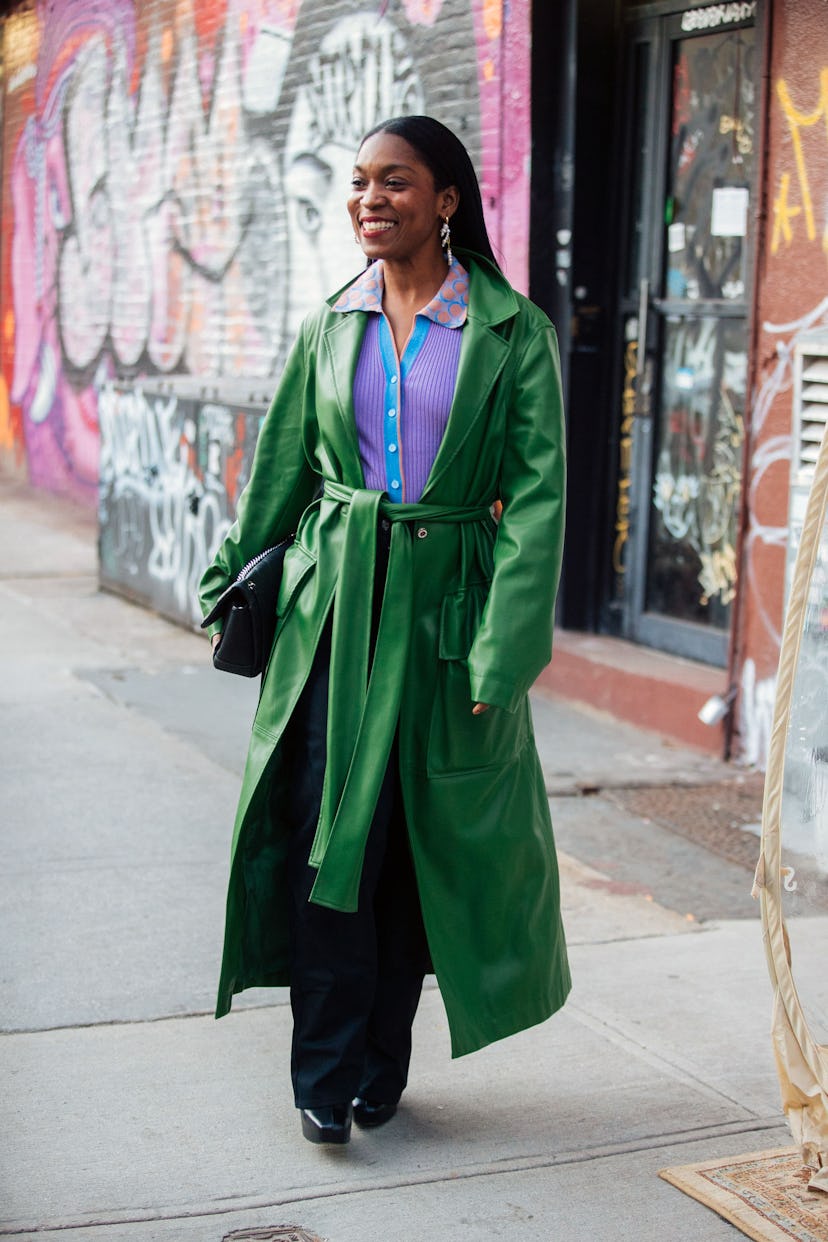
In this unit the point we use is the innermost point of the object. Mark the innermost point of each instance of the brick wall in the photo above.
(791, 299)
(174, 177)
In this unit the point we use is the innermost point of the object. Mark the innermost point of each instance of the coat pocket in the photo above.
(298, 565)
(457, 740)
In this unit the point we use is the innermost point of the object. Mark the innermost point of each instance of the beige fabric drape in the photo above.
(802, 1063)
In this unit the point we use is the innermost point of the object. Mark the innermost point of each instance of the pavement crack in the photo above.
(617, 1034)
(316, 1194)
(115, 1022)
(49, 576)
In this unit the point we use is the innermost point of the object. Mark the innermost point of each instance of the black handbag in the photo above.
(247, 612)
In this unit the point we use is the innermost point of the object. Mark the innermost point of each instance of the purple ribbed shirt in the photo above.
(402, 405)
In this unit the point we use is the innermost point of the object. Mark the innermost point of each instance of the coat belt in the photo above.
(364, 696)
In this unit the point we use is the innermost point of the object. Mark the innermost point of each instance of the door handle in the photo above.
(642, 390)
(643, 308)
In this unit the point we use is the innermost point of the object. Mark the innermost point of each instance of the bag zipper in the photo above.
(245, 570)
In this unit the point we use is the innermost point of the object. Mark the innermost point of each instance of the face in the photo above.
(395, 210)
(322, 257)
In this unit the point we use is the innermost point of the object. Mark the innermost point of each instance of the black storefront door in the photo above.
(681, 325)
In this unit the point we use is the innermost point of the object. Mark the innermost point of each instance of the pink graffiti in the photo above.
(60, 423)
(136, 218)
(423, 12)
(503, 60)
(151, 209)
(59, 420)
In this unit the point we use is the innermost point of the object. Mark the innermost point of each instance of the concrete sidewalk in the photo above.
(129, 1113)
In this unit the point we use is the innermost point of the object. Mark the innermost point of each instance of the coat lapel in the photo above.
(483, 355)
(341, 343)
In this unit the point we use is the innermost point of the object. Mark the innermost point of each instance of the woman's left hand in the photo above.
(479, 709)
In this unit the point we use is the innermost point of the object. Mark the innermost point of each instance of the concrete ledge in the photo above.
(633, 683)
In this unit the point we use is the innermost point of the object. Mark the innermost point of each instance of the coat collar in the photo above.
(492, 299)
(483, 354)
(448, 306)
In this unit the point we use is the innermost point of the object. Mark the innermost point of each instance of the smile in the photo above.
(370, 227)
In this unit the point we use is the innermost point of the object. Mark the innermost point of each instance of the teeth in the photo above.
(377, 226)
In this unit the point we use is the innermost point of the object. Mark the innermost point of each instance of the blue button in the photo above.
(392, 413)
(392, 448)
(395, 483)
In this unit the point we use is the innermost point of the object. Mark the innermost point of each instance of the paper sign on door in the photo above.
(729, 214)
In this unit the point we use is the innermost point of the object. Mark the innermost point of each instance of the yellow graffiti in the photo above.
(797, 122)
(735, 125)
(718, 574)
(622, 511)
(783, 213)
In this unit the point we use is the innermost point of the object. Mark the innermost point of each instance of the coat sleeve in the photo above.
(514, 641)
(282, 483)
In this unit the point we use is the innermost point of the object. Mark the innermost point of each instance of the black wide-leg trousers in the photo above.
(355, 978)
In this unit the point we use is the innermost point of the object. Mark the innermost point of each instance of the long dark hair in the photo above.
(450, 164)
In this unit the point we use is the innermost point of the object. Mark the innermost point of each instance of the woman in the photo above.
(393, 816)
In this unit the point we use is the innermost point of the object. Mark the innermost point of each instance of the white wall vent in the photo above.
(810, 404)
(810, 418)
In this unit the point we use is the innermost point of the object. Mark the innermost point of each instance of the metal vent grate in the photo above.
(810, 405)
(810, 418)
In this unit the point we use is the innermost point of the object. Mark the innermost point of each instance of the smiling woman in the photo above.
(396, 211)
(393, 817)
(393, 191)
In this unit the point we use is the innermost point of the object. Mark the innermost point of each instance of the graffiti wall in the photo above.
(174, 177)
(791, 300)
(171, 470)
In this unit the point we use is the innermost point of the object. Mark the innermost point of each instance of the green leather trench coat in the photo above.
(466, 616)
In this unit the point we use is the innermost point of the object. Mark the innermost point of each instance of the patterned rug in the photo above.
(764, 1194)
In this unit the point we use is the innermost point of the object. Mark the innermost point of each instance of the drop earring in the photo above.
(445, 240)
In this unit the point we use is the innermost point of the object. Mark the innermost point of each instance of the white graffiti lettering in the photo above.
(698, 501)
(769, 453)
(717, 15)
(756, 705)
(169, 207)
(163, 518)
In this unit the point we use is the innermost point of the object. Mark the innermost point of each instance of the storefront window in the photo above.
(696, 484)
(712, 150)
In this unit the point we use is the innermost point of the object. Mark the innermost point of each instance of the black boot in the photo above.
(369, 1113)
(329, 1123)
